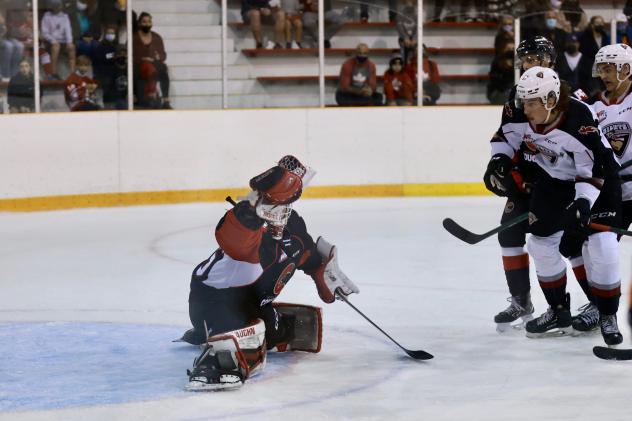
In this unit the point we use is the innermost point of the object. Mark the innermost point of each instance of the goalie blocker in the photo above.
(229, 358)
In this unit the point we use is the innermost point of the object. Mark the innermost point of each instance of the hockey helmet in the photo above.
(539, 46)
(617, 54)
(539, 82)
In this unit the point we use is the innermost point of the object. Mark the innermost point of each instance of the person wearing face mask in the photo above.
(398, 86)
(21, 91)
(103, 60)
(575, 68)
(149, 62)
(552, 32)
(86, 26)
(501, 75)
(56, 30)
(80, 88)
(594, 37)
(358, 81)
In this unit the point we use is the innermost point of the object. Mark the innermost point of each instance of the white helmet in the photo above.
(617, 54)
(538, 82)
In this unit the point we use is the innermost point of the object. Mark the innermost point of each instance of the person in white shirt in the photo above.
(56, 30)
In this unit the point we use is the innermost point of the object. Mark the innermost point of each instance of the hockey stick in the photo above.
(418, 355)
(606, 353)
(471, 238)
(608, 228)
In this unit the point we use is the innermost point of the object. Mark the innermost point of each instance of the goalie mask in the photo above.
(276, 189)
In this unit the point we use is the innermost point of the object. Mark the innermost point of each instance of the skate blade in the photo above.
(591, 332)
(195, 386)
(509, 327)
(559, 332)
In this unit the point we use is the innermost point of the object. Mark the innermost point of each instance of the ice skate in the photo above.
(207, 375)
(587, 321)
(520, 307)
(554, 322)
(610, 330)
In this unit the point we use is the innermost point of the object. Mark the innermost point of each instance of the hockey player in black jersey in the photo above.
(232, 307)
(531, 52)
(575, 165)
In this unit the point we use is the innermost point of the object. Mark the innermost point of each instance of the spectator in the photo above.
(149, 65)
(80, 88)
(532, 23)
(112, 13)
(56, 31)
(333, 20)
(115, 92)
(552, 32)
(398, 87)
(358, 81)
(594, 37)
(576, 68)
(392, 11)
(103, 57)
(88, 27)
(293, 19)
(575, 15)
(431, 78)
(504, 35)
(498, 8)
(11, 51)
(21, 91)
(256, 12)
(407, 29)
(501, 75)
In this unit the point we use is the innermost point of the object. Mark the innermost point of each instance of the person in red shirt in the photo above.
(431, 78)
(398, 86)
(358, 81)
(80, 88)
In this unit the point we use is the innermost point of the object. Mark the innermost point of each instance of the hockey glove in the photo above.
(498, 177)
(577, 215)
(328, 277)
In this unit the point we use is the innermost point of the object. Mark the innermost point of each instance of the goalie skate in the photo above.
(519, 308)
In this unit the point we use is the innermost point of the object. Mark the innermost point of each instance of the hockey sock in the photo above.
(607, 301)
(517, 274)
(582, 280)
(554, 290)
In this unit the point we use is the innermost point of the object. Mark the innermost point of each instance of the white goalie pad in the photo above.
(308, 327)
(229, 358)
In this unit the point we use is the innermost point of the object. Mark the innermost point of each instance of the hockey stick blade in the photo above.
(606, 353)
(471, 238)
(417, 355)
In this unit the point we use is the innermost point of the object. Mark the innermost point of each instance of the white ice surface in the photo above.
(75, 283)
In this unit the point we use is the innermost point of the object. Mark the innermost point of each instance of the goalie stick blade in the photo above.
(420, 355)
(606, 353)
(461, 233)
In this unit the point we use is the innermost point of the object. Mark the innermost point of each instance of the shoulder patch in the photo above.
(586, 130)
(508, 111)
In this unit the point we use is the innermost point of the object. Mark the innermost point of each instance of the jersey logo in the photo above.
(588, 130)
(508, 111)
(509, 207)
(283, 278)
(601, 115)
(618, 135)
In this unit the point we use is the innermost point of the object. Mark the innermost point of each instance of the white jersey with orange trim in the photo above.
(615, 122)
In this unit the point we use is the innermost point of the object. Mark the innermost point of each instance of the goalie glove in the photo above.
(328, 277)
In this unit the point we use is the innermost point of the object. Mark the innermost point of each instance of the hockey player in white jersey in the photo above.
(576, 164)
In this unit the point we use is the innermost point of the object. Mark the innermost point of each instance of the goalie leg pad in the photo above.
(228, 359)
(308, 327)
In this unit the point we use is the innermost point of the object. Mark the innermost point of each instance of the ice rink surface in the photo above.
(91, 299)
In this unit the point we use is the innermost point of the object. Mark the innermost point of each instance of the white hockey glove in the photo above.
(328, 277)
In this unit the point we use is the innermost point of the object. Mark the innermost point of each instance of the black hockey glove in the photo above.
(577, 215)
(497, 178)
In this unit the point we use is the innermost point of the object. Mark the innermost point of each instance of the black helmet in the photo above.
(537, 45)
